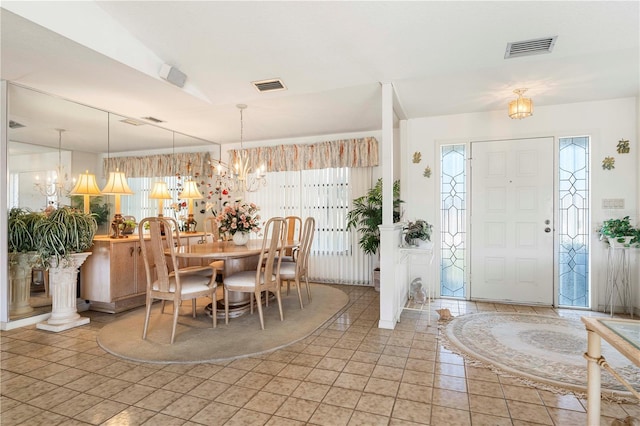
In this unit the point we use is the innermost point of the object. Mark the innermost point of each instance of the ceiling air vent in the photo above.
(269, 85)
(133, 122)
(530, 47)
(155, 120)
(15, 124)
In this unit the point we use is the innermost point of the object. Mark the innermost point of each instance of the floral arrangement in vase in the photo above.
(239, 217)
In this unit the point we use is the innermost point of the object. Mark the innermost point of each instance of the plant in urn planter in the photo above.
(22, 258)
(63, 237)
(239, 219)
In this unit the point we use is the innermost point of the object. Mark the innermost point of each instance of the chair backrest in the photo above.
(153, 253)
(211, 228)
(293, 230)
(176, 242)
(270, 255)
(308, 232)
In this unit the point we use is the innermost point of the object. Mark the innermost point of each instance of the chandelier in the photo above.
(241, 176)
(521, 107)
(58, 185)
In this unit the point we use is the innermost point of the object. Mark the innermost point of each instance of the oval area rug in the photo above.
(196, 341)
(547, 350)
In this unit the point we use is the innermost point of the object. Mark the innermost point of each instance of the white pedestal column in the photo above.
(62, 286)
(20, 276)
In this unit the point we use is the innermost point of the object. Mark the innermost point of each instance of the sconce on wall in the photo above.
(521, 107)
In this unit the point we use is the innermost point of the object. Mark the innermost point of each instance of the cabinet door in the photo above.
(124, 269)
(141, 274)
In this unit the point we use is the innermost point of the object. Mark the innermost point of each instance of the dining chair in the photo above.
(213, 235)
(171, 285)
(266, 276)
(217, 264)
(296, 271)
(293, 232)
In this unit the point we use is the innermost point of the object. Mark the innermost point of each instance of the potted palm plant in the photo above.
(22, 257)
(63, 236)
(366, 217)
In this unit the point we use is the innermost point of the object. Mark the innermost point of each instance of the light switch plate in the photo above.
(613, 203)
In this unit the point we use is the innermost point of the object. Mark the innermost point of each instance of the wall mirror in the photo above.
(52, 140)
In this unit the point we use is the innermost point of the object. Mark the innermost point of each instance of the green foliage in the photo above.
(63, 232)
(21, 224)
(99, 210)
(419, 229)
(618, 229)
(366, 215)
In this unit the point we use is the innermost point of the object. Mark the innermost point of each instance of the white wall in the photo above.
(605, 121)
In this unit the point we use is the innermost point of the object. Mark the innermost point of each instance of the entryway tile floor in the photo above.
(349, 372)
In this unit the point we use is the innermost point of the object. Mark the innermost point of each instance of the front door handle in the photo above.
(547, 229)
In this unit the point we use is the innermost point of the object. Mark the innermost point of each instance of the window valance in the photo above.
(159, 165)
(362, 152)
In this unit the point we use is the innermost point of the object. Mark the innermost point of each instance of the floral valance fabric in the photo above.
(362, 152)
(160, 165)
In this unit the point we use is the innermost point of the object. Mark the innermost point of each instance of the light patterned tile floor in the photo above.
(346, 373)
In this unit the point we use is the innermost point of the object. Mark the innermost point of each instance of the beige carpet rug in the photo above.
(196, 341)
(540, 349)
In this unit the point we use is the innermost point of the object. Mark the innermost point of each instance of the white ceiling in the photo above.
(442, 58)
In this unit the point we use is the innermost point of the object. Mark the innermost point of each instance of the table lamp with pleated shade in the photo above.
(117, 185)
(191, 192)
(160, 192)
(86, 186)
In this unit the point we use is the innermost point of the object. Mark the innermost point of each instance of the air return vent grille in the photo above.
(530, 47)
(269, 85)
(133, 122)
(155, 120)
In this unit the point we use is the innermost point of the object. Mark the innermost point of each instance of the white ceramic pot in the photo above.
(241, 238)
(613, 241)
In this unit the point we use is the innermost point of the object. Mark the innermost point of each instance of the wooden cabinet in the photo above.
(113, 279)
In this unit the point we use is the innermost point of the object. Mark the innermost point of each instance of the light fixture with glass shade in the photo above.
(248, 180)
(240, 176)
(86, 186)
(190, 192)
(58, 185)
(520, 107)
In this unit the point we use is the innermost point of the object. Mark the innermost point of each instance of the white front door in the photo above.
(512, 221)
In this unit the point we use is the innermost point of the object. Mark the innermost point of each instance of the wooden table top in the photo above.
(224, 249)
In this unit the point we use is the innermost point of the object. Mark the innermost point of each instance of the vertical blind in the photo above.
(325, 194)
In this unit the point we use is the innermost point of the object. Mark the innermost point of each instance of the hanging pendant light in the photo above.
(248, 179)
(521, 107)
(57, 186)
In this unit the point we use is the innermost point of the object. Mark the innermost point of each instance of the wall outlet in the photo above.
(613, 203)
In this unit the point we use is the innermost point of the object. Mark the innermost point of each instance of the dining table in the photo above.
(236, 258)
